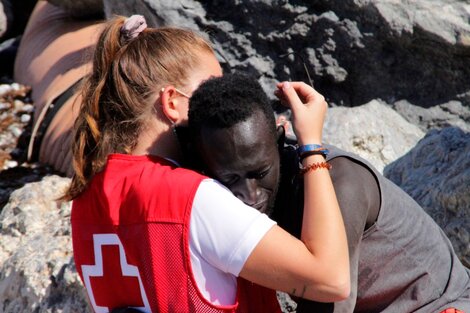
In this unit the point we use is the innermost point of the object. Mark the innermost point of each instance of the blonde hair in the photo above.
(116, 96)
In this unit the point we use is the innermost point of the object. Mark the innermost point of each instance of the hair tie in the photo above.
(132, 27)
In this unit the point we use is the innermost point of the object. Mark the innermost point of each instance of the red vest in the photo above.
(130, 232)
(256, 299)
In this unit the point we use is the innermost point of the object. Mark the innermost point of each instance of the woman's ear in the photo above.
(169, 103)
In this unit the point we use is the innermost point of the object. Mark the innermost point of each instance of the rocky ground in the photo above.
(37, 269)
(15, 126)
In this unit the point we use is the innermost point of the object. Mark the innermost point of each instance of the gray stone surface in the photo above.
(452, 113)
(356, 51)
(373, 131)
(37, 272)
(436, 173)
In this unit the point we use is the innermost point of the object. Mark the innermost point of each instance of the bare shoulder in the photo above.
(357, 190)
(349, 171)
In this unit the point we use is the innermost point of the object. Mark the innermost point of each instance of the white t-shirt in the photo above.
(220, 244)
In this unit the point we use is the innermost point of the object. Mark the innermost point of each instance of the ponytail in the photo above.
(116, 95)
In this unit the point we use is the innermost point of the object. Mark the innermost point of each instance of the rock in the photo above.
(355, 51)
(13, 17)
(373, 131)
(287, 304)
(453, 113)
(3, 19)
(14, 119)
(182, 13)
(81, 8)
(37, 272)
(436, 173)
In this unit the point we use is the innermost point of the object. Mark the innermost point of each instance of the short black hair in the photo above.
(222, 102)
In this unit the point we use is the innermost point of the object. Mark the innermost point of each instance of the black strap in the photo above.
(52, 110)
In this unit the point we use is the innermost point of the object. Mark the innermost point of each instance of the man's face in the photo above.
(245, 159)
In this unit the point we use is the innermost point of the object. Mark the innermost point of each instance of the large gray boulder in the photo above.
(452, 113)
(436, 173)
(373, 131)
(355, 51)
(37, 272)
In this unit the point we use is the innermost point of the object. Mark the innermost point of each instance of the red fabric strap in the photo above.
(452, 310)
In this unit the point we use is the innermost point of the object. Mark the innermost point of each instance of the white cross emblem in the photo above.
(96, 270)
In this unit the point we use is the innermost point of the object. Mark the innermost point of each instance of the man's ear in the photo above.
(169, 103)
(280, 134)
(281, 137)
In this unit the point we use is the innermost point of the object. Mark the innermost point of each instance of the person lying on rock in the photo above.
(53, 57)
(400, 260)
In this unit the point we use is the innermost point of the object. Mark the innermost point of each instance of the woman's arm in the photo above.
(317, 267)
(359, 204)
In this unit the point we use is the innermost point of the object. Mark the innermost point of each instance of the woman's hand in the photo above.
(308, 110)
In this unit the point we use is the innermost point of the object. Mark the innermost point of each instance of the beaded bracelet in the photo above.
(314, 166)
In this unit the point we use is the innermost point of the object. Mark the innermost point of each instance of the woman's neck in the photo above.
(158, 139)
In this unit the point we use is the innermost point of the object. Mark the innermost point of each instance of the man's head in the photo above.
(232, 127)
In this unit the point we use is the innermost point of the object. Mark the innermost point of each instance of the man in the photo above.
(400, 259)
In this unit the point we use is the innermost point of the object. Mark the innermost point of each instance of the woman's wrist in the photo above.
(305, 141)
(311, 159)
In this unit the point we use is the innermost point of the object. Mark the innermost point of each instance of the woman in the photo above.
(151, 235)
